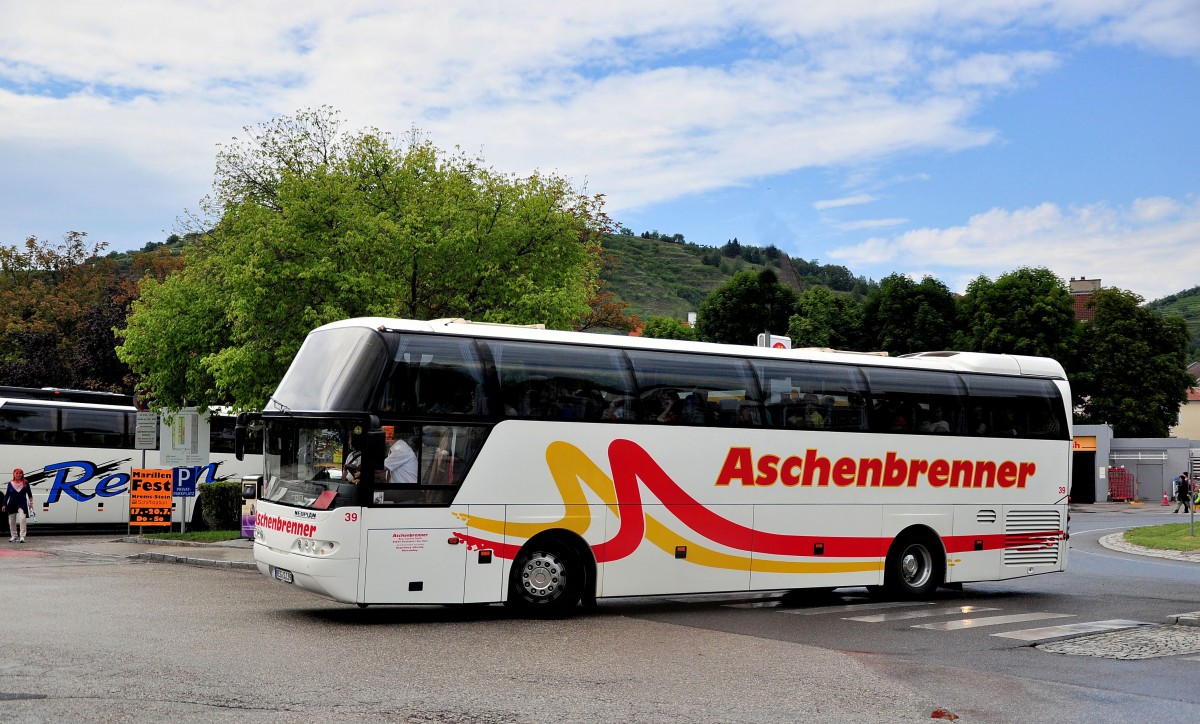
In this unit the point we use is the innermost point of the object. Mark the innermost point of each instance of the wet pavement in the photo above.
(1179, 635)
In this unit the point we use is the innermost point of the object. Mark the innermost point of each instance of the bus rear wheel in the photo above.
(546, 580)
(915, 567)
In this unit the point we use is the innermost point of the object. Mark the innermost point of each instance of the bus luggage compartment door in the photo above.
(415, 565)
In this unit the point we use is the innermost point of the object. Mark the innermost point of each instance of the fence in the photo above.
(1122, 485)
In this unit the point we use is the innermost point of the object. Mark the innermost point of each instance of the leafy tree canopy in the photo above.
(314, 224)
(903, 316)
(1134, 373)
(667, 328)
(744, 307)
(826, 319)
(59, 302)
(1026, 311)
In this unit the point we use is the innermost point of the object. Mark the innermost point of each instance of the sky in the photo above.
(921, 137)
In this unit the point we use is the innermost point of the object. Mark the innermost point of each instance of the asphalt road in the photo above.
(110, 639)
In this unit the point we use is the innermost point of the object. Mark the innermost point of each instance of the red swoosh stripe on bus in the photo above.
(630, 463)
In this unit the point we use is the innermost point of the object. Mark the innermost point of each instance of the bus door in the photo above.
(413, 555)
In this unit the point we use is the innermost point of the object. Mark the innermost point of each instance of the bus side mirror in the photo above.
(239, 441)
(250, 486)
(376, 449)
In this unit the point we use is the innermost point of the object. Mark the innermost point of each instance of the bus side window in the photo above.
(915, 401)
(436, 376)
(835, 392)
(562, 382)
(31, 424)
(686, 389)
(1015, 407)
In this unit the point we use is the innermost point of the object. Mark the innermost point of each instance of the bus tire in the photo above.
(546, 579)
(915, 566)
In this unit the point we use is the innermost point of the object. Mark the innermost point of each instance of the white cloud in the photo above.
(870, 224)
(1150, 246)
(613, 93)
(854, 200)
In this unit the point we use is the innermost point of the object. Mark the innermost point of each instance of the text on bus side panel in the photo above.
(891, 471)
(108, 484)
(293, 527)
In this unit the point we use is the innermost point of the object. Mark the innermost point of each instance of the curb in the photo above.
(202, 562)
(1117, 542)
(239, 543)
(1184, 619)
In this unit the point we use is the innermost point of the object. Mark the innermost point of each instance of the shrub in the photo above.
(221, 505)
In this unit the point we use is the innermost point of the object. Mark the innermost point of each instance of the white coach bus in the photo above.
(77, 450)
(541, 468)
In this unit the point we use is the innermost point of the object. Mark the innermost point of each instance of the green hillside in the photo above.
(1185, 304)
(662, 276)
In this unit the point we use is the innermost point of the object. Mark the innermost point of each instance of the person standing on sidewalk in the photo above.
(18, 499)
(1183, 493)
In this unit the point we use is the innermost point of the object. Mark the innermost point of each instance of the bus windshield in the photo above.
(306, 463)
(335, 370)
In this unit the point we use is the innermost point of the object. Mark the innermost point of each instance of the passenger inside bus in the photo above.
(664, 407)
(401, 463)
(937, 422)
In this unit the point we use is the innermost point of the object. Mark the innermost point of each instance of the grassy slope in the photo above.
(664, 279)
(1185, 304)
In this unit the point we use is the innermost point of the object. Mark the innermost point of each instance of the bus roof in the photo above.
(1006, 364)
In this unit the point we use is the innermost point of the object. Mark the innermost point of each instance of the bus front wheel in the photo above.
(915, 567)
(546, 579)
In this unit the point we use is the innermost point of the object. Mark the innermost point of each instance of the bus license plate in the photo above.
(282, 575)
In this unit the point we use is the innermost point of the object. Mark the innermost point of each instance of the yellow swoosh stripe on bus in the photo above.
(569, 465)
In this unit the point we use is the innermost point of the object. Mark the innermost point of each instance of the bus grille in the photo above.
(1031, 537)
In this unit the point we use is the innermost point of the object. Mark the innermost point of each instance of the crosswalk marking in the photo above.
(990, 621)
(853, 607)
(902, 615)
(1070, 629)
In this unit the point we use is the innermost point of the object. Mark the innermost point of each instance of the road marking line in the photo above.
(852, 607)
(1068, 629)
(990, 621)
(901, 615)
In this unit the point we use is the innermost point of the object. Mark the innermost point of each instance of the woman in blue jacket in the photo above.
(18, 499)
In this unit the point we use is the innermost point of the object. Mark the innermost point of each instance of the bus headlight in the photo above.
(312, 547)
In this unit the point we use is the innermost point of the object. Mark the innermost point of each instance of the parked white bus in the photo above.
(77, 451)
(539, 468)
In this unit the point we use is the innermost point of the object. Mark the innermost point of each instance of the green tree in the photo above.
(1027, 311)
(1134, 374)
(315, 224)
(826, 319)
(667, 328)
(58, 304)
(903, 316)
(743, 307)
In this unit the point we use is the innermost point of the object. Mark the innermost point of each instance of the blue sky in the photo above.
(914, 136)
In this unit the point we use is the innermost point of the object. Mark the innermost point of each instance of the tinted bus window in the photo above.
(920, 401)
(1015, 407)
(30, 424)
(93, 428)
(692, 389)
(561, 382)
(336, 369)
(435, 376)
(813, 396)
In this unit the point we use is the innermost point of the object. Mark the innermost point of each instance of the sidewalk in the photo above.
(236, 554)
